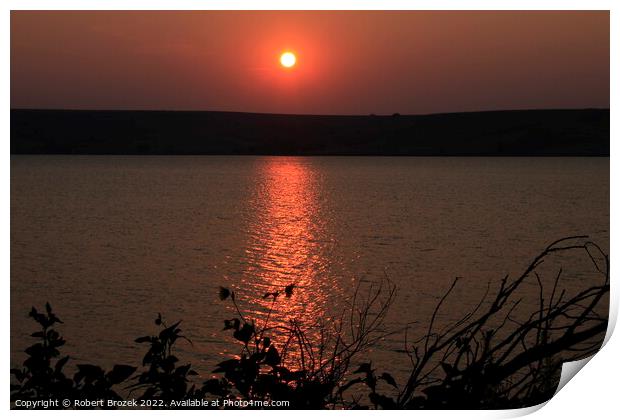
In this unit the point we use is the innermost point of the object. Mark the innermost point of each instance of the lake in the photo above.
(110, 241)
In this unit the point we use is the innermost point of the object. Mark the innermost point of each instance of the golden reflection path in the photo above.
(287, 244)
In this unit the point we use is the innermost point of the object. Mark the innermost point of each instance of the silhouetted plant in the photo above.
(163, 379)
(42, 376)
(311, 380)
(38, 378)
(481, 362)
(371, 380)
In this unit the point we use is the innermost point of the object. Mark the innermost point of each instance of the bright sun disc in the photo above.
(288, 59)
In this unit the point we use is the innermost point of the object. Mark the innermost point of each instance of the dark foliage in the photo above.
(487, 359)
(163, 378)
(311, 380)
(42, 374)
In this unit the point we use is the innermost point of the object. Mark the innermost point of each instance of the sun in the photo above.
(288, 59)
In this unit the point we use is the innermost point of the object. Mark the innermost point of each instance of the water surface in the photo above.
(112, 241)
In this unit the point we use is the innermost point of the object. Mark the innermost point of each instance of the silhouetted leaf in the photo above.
(227, 366)
(39, 318)
(364, 368)
(245, 333)
(60, 364)
(35, 350)
(272, 294)
(288, 290)
(272, 358)
(224, 293)
(183, 370)
(382, 401)
(388, 378)
(88, 372)
(169, 333)
(19, 374)
(51, 316)
(231, 324)
(119, 373)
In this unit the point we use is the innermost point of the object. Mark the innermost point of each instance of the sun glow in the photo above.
(288, 59)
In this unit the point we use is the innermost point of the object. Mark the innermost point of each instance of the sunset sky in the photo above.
(347, 62)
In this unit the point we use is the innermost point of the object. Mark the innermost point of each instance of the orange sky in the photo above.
(348, 62)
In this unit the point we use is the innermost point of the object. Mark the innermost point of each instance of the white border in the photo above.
(593, 394)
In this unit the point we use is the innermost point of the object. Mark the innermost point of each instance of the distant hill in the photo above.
(496, 133)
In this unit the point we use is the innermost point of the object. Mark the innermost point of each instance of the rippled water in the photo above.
(111, 241)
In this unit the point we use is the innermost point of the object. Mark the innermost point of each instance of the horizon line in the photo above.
(308, 115)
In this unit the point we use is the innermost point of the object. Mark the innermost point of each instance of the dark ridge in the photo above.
(494, 133)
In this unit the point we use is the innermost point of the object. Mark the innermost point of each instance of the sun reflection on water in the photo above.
(283, 246)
